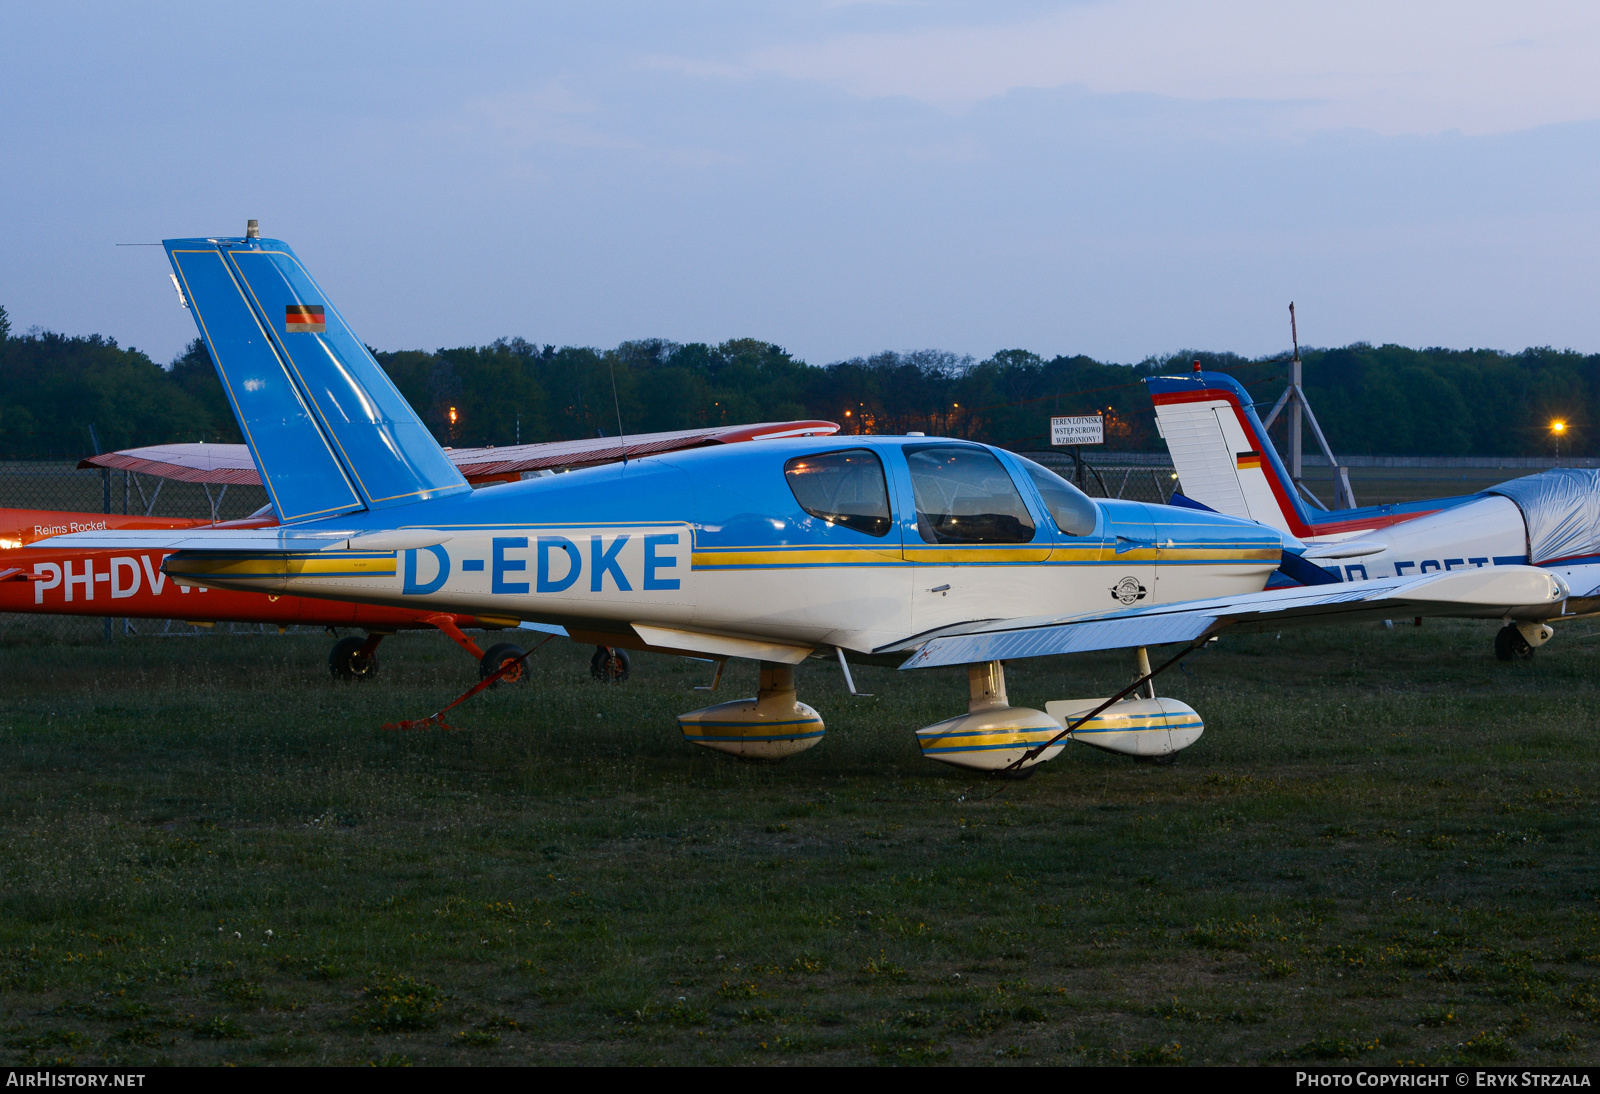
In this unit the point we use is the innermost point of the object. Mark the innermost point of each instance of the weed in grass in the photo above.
(1436, 1017)
(807, 962)
(930, 1052)
(50, 1038)
(747, 989)
(285, 1047)
(1275, 969)
(477, 1038)
(391, 1003)
(984, 1021)
(681, 1013)
(1168, 1055)
(1331, 1048)
(1585, 999)
(882, 966)
(392, 1059)
(221, 1028)
(1235, 935)
(1565, 1041)
(139, 1035)
(1489, 1048)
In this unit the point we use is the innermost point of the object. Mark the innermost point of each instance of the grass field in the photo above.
(1383, 849)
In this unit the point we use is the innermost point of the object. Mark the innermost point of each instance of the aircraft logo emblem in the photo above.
(1128, 590)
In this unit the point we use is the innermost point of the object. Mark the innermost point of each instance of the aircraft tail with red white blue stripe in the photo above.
(1226, 462)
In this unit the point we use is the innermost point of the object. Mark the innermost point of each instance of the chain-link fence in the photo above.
(59, 486)
(1135, 476)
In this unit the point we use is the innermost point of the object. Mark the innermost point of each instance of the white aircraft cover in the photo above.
(1562, 511)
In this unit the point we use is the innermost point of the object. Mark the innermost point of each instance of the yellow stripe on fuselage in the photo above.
(318, 565)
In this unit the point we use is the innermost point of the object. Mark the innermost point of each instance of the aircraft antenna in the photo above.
(1296, 424)
(622, 438)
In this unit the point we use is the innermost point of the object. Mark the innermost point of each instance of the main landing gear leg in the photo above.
(771, 726)
(1517, 641)
(610, 665)
(993, 735)
(353, 658)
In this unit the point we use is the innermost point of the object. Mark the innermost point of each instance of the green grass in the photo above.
(1383, 849)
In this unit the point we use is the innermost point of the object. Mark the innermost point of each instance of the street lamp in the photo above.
(1557, 429)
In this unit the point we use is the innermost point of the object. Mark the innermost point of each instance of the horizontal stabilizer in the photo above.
(1350, 548)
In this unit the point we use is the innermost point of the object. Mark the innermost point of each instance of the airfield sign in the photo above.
(1078, 429)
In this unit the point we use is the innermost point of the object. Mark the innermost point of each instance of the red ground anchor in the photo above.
(436, 719)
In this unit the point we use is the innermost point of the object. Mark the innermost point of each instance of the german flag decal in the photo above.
(1249, 459)
(304, 319)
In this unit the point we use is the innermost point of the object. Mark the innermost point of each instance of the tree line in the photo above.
(1380, 400)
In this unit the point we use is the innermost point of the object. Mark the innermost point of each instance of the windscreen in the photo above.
(1069, 507)
(965, 496)
(846, 488)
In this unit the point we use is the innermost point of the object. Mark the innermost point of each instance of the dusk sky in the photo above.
(1118, 179)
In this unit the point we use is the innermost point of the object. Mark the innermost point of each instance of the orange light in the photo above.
(452, 415)
(1558, 426)
(847, 414)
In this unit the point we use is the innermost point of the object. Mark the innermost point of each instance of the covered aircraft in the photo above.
(912, 550)
(1226, 462)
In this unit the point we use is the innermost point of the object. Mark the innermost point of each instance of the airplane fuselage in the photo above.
(718, 542)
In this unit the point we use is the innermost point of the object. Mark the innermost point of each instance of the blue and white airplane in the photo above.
(1226, 462)
(908, 550)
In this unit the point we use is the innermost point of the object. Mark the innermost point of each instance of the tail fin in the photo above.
(1223, 456)
(328, 430)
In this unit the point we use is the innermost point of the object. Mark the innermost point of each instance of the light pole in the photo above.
(1557, 428)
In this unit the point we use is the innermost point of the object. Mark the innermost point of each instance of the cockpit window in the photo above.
(965, 496)
(845, 488)
(1069, 507)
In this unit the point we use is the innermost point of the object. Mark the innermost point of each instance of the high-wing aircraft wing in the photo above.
(1470, 592)
(230, 464)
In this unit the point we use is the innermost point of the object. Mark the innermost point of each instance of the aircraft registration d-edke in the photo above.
(917, 551)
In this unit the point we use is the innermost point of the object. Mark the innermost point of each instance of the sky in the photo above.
(1119, 178)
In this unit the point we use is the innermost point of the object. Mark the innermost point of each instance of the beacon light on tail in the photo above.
(921, 550)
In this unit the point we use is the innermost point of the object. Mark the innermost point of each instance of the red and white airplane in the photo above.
(131, 584)
(1226, 463)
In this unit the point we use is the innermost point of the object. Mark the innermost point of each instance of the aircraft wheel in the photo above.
(498, 655)
(347, 662)
(610, 665)
(1509, 645)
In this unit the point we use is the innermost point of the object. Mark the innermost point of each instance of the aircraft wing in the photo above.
(271, 539)
(1457, 593)
(231, 463)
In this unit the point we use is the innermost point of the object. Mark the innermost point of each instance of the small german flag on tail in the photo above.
(1246, 459)
(304, 319)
